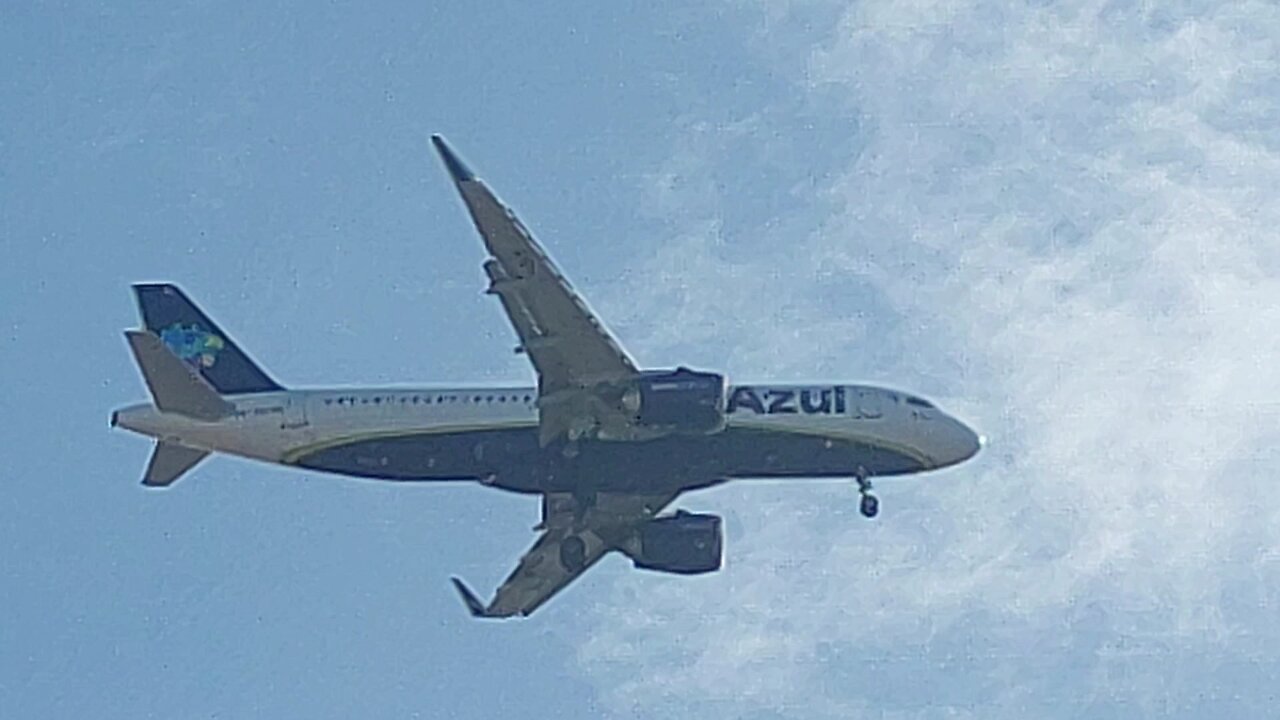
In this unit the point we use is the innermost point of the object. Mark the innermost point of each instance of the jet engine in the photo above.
(684, 543)
(681, 401)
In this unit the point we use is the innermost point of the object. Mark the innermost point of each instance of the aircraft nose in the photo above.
(960, 444)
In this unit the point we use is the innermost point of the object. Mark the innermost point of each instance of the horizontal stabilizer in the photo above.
(169, 461)
(175, 387)
(474, 605)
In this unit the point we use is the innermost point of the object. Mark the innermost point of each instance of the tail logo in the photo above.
(193, 345)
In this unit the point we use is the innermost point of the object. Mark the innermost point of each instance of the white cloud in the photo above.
(1065, 219)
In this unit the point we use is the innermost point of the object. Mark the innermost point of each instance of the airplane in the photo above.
(606, 445)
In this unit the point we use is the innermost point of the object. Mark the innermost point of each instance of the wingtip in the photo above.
(474, 606)
(457, 168)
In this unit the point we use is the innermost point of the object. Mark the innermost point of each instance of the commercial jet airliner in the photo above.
(606, 445)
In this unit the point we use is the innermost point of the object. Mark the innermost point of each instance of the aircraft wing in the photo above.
(570, 348)
(570, 544)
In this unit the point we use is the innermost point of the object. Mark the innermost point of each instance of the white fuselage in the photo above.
(489, 434)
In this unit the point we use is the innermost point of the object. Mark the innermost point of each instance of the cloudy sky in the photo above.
(1058, 219)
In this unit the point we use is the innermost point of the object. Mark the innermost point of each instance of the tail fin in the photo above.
(175, 386)
(191, 335)
(169, 461)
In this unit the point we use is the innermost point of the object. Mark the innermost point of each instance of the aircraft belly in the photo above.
(512, 459)
(690, 461)
(752, 452)
(426, 456)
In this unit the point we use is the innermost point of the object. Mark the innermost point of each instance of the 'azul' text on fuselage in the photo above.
(823, 400)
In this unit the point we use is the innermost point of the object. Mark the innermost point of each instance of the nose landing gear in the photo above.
(870, 504)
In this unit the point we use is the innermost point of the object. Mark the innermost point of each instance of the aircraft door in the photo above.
(295, 413)
(869, 405)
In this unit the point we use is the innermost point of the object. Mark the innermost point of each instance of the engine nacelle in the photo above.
(681, 401)
(684, 543)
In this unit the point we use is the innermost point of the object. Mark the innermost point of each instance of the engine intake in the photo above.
(683, 400)
(685, 543)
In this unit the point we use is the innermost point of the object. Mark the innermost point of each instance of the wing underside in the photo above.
(568, 345)
(573, 539)
(578, 362)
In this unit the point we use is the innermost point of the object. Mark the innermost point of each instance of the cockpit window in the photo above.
(918, 402)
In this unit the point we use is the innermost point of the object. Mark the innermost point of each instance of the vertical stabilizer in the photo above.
(194, 338)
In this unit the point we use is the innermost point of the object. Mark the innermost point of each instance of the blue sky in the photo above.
(1058, 219)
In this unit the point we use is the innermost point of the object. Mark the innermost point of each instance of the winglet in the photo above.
(474, 605)
(457, 168)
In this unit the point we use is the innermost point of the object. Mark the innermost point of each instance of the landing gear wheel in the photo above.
(573, 553)
(870, 506)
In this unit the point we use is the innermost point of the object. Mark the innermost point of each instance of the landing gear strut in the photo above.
(870, 505)
(582, 504)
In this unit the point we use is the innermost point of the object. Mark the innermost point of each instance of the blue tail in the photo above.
(192, 336)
